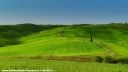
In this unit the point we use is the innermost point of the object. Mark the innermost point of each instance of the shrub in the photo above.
(99, 59)
(122, 60)
(108, 59)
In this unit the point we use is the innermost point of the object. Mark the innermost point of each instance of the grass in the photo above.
(59, 66)
(50, 42)
(9, 34)
(60, 42)
(59, 46)
(75, 41)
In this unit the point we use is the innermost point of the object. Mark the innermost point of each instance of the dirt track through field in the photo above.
(106, 49)
(62, 32)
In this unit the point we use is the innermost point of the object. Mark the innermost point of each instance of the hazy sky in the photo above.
(63, 11)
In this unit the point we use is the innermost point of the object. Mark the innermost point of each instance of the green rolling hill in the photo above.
(67, 41)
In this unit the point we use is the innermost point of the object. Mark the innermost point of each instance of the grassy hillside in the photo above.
(72, 40)
(50, 42)
(9, 34)
(113, 37)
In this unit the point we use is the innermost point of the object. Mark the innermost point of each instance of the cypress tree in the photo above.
(91, 39)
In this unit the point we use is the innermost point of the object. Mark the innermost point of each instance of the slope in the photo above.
(50, 42)
(9, 34)
(72, 40)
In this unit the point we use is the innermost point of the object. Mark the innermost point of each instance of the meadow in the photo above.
(59, 66)
(27, 45)
(75, 41)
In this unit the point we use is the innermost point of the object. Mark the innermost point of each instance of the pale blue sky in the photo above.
(63, 11)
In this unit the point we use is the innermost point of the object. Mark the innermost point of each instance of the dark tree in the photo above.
(91, 39)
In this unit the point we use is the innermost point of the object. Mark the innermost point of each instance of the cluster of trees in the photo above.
(80, 24)
(119, 23)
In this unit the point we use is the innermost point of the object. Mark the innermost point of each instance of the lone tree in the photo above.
(91, 39)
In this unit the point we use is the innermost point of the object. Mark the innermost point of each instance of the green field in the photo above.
(30, 40)
(75, 41)
(59, 66)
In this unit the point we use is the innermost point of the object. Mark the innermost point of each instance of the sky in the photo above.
(63, 11)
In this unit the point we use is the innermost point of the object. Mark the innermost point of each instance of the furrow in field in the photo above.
(106, 49)
(62, 32)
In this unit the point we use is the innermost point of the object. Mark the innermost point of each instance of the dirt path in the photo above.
(106, 49)
(62, 32)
